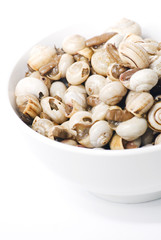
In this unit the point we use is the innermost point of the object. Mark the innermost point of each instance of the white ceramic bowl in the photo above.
(128, 176)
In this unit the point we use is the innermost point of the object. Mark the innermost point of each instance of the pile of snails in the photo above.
(102, 92)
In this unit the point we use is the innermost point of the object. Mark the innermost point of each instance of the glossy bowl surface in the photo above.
(127, 176)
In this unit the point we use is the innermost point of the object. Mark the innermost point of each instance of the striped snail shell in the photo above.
(154, 117)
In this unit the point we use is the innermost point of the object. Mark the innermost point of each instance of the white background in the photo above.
(34, 202)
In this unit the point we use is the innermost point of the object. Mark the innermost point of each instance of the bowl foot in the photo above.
(140, 198)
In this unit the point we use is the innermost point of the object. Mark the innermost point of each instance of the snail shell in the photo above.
(100, 133)
(66, 61)
(85, 142)
(40, 55)
(93, 100)
(77, 94)
(113, 53)
(66, 126)
(57, 89)
(77, 73)
(133, 55)
(158, 139)
(54, 109)
(115, 115)
(30, 85)
(154, 117)
(126, 76)
(86, 52)
(42, 125)
(150, 46)
(115, 70)
(139, 103)
(58, 131)
(117, 143)
(115, 40)
(82, 117)
(71, 109)
(112, 93)
(143, 80)
(156, 65)
(100, 62)
(132, 129)
(99, 111)
(125, 26)
(81, 122)
(133, 38)
(94, 84)
(37, 75)
(28, 105)
(70, 142)
(72, 44)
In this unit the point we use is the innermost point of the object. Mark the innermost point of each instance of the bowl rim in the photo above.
(66, 147)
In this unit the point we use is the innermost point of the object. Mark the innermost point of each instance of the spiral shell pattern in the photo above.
(133, 55)
(139, 103)
(154, 117)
